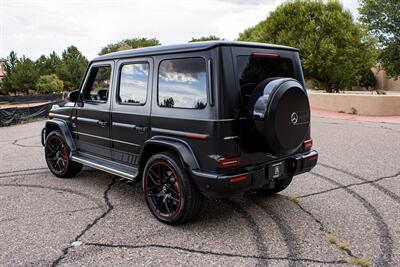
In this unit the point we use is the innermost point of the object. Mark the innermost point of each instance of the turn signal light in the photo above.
(224, 163)
(307, 145)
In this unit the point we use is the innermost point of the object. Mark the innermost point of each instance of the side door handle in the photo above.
(141, 129)
(102, 123)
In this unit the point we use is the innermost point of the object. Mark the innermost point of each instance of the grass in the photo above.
(358, 261)
(353, 111)
(293, 199)
(334, 241)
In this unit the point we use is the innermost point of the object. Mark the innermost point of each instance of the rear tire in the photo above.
(279, 186)
(169, 192)
(57, 156)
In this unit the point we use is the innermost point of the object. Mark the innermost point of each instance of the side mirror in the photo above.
(74, 96)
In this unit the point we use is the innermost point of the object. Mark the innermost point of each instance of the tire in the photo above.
(279, 186)
(280, 113)
(57, 156)
(169, 192)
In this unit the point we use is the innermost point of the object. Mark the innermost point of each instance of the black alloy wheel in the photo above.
(57, 156)
(170, 195)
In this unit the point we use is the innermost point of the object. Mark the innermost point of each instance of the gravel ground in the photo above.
(345, 210)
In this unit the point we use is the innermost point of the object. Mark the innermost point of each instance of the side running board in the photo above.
(115, 168)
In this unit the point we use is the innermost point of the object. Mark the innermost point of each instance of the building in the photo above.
(385, 83)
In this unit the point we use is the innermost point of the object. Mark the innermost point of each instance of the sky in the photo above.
(36, 27)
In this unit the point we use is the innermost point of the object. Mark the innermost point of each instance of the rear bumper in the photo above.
(253, 177)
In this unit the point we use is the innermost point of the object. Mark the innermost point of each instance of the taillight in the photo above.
(238, 179)
(307, 145)
(224, 163)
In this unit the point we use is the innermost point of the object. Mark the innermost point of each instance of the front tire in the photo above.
(169, 192)
(57, 156)
(280, 185)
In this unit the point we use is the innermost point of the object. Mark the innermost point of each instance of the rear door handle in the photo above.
(141, 129)
(102, 123)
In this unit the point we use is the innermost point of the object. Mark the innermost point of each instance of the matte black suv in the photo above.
(189, 120)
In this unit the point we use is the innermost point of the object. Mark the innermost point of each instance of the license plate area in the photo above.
(277, 170)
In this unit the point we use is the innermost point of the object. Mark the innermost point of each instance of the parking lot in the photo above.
(346, 211)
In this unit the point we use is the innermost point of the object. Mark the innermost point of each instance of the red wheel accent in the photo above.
(163, 189)
(57, 155)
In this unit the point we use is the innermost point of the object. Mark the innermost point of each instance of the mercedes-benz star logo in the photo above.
(294, 118)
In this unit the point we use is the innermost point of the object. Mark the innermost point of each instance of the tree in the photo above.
(73, 68)
(129, 44)
(168, 102)
(383, 21)
(24, 76)
(50, 65)
(332, 47)
(9, 67)
(368, 79)
(205, 38)
(49, 84)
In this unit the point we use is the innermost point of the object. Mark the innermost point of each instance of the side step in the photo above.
(109, 166)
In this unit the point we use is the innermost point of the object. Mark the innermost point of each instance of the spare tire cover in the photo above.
(281, 113)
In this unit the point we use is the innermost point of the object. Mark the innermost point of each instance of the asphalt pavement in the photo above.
(346, 211)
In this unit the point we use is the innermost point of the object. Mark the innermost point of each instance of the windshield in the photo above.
(256, 68)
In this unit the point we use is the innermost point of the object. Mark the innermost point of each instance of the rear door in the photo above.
(131, 109)
(93, 116)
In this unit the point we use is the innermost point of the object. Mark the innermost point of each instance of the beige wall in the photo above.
(372, 105)
(383, 83)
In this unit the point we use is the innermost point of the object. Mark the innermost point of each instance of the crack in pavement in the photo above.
(98, 204)
(377, 186)
(19, 175)
(385, 238)
(23, 170)
(322, 227)
(208, 252)
(48, 214)
(23, 138)
(350, 185)
(110, 207)
(255, 229)
(15, 143)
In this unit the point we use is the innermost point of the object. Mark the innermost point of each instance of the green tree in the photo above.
(73, 67)
(205, 38)
(9, 67)
(24, 76)
(129, 44)
(333, 48)
(49, 84)
(383, 21)
(50, 65)
(368, 79)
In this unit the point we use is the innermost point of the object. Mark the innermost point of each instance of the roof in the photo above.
(188, 47)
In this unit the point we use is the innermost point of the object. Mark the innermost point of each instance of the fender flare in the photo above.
(181, 147)
(64, 129)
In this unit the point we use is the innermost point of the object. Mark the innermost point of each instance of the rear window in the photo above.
(256, 68)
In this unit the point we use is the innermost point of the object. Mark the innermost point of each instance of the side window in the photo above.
(182, 83)
(133, 83)
(98, 84)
